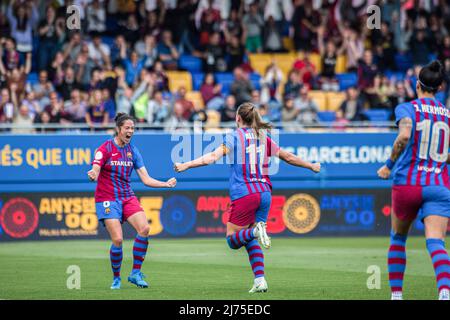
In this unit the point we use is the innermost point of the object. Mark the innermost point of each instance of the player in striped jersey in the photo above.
(116, 203)
(421, 182)
(248, 150)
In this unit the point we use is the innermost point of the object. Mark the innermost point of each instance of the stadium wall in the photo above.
(45, 194)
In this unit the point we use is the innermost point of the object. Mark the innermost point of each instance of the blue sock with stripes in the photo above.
(256, 258)
(139, 252)
(240, 238)
(397, 261)
(441, 262)
(115, 255)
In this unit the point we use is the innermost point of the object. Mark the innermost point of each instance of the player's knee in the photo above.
(144, 230)
(117, 241)
(230, 243)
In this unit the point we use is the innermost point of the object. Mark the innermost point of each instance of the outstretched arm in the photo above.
(203, 160)
(294, 160)
(404, 134)
(153, 183)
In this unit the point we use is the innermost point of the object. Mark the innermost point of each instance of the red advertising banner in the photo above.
(204, 213)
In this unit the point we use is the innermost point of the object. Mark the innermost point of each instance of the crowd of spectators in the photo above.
(118, 60)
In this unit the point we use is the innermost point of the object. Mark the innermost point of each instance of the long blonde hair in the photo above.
(251, 117)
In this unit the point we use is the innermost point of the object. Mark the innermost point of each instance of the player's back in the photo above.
(249, 159)
(423, 162)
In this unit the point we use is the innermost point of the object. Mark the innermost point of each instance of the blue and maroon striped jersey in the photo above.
(249, 162)
(423, 162)
(116, 164)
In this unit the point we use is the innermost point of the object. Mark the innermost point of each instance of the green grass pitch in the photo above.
(296, 268)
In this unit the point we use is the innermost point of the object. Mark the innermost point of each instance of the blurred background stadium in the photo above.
(326, 81)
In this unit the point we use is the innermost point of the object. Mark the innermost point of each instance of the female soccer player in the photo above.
(115, 201)
(248, 149)
(421, 179)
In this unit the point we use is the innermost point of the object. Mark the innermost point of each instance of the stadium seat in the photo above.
(285, 61)
(394, 74)
(167, 95)
(178, 79)
(403, 62)
(213, 119)
(197, 80)
(432, 56)
(347, 80)
(225, 79)
(190, 63)
(320, 98)
(196, 98)
(255, 78)
(33, 78)
(327, 116)
(109, 41)
(440, 96)
(378, 114)
(288, 44)
(260, 61)
(335, 100)
(341, 64)
(316, 60)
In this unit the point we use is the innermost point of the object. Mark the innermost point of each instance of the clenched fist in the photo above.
(172, 182)
(316, 167)
(92, 175)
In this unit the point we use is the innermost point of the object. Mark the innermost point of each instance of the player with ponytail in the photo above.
(249, 149)
(420, 179)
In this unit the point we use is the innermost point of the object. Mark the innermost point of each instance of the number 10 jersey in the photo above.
(424, 161)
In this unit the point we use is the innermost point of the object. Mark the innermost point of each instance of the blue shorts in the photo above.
(264, 207)
(118, 209)
(408, 201)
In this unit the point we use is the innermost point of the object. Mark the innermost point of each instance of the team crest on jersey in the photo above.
(107, 210)
(129, 155)
(106, 204)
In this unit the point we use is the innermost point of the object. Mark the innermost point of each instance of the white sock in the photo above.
(444, 294)
(398, 295)
(259, 280)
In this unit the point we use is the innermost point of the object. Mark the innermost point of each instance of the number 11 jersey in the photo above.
(248, 156)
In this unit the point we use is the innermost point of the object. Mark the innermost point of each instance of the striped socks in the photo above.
(397, 262)
(240, 238)
(256, 258)
(139, 251)
(115, 255)
(441, 262)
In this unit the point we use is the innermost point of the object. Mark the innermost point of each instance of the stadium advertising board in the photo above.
(28, 162)
(201, 213)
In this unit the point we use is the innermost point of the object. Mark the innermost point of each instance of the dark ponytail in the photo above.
(251, 117)
(431, 77)
(120, 118)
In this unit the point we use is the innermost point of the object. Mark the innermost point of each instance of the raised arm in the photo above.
(404, 134)
(204, 160)
(153, 183)
(294, 160)
(28, 62)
